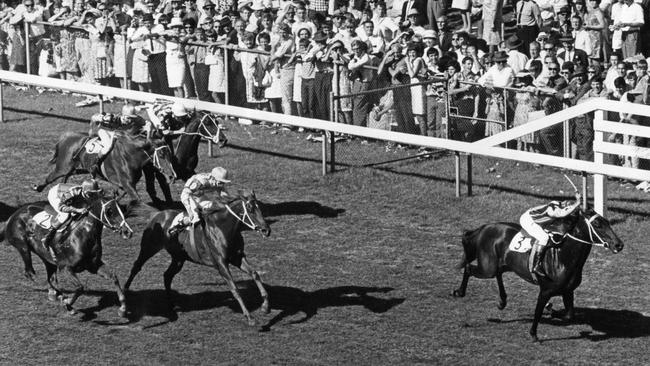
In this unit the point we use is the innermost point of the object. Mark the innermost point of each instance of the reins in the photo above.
(103, 218)
(245, 217)
(592, 233)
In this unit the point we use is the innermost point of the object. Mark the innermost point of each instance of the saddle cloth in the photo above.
(44, 220)
(522, 243)
(93, 146)
(178, 219)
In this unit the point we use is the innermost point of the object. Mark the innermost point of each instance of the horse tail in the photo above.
(469, 247)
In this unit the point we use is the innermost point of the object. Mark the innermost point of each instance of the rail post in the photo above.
(28, 56)
(126, 53)
(2, 113)
(585, 190)
(600, 181)
(101, 103)
(333, 114)
(324, 153)
(457, 164)
(469, 175)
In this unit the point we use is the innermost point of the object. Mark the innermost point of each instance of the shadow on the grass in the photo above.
(6, 211)
(606, 324)
(289, 301)
(299, 208)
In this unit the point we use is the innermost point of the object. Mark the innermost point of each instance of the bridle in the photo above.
(592, 234)
(105, 220)
(156, 160)
(216, 137)
(245, 217)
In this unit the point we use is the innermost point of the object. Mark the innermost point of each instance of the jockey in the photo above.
(533, 219)
(192, 195)
(67, 199)
(106, 124)
(169, 120)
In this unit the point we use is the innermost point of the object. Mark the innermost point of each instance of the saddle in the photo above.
(45, 218)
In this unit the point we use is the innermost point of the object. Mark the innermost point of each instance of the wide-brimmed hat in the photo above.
(208, 5)
(500, 56)
(413, 11)
(243, 4)
(320, 37)
(257, 5)
(579, 71)
(513, 42)
(176, 22)
(429, 33)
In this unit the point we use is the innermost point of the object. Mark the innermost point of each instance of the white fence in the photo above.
(486, 147)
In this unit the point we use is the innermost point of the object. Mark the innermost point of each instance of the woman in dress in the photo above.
(65, 48)
(140, 43)
(417, 72)
(595, 24)
(83, 46)
(526, 103)
(175, 58)
(492, 23)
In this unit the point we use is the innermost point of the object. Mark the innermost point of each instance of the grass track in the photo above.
(367, 285)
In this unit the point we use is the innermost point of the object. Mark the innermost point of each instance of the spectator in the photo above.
(526, 103)
(630, 21)
(529, 20)
(361, 77)
(577, 56)
(516, 60)
(464, 6)
(492, 23)
(175, 58)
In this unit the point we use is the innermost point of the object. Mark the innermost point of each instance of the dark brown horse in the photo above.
(563, 263)
(217, 242)
(78, 247)
(123, 166)
(204, 126)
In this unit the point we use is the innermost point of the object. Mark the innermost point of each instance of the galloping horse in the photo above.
(202, 126)
(217, 242)
(563, 263)
(79, 246)
(123, 166)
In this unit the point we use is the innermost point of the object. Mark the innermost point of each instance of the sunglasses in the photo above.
(548, 49)
(591, 72)
(552, 69)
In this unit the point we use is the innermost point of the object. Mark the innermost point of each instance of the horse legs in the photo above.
(542, 299)
(78, 290)
(149, 180)
(246, 267)
(149, 246)
(502, 292)
(222, 266)
(26, 255)
(108, 274)
(460, 292)
(53, 292)
(174, 267)
(51, 178)
(567, 298)
(164, 186)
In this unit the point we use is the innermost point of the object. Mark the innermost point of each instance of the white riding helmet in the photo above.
(220, 174)
(178, 110)
(129, 110)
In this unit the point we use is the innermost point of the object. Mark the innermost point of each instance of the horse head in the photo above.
(107, 210)
(598, 231)
(249, 212)
(162, 159)
(210, 128)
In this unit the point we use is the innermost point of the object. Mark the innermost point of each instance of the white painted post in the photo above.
(2, 113)
(457, 163)
(600, 180)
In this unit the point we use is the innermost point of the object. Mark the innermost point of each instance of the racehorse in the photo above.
(202, 126)
(123, 166)
(79, 246)
(217, 242)
(563, 262)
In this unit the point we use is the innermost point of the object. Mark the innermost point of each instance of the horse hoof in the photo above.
(52, 297)
(502, 305)
(122, 312)
(458, 293)
(36, 188)
(534, 339)
(265, 308)
(251, 322)
(71, 310)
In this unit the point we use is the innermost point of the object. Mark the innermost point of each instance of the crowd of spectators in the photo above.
(445, 69)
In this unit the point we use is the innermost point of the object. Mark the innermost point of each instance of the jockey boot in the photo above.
(538, 268)
(47, 243)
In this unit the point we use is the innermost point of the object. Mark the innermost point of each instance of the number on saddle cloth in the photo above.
(46, 218)
(93, 146)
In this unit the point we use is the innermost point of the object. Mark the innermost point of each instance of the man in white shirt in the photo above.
(534, 49)
(31, 13)
(630, 22)
(581, 36)
(516, 60)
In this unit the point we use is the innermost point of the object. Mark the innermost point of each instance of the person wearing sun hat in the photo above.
(499, 75)
(516, 60)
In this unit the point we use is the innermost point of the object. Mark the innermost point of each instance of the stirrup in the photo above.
(53, 254)
(538, 270)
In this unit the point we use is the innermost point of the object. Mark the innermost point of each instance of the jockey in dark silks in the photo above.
(533, 219)
(104, 126)
(67, 199)
(169, 120)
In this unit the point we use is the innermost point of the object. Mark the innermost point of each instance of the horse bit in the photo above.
(245, 218)
(103, 218)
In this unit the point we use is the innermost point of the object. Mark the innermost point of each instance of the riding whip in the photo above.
(570, 181)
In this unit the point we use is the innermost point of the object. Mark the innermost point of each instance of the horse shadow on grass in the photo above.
(6, 211)
(289, 301)
(606, 324)
(299, 208)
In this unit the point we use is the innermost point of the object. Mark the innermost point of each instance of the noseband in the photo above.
(103, 218)
(155, 159)
(592, 234)
(245, 218)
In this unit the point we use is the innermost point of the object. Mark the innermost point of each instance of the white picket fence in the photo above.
(486, 147)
